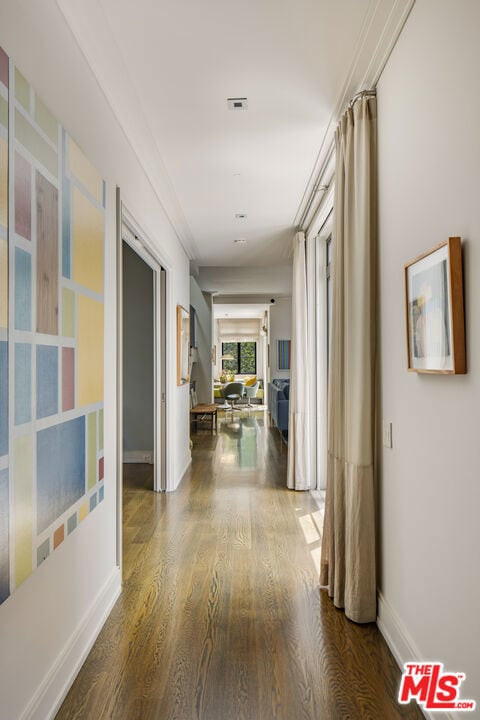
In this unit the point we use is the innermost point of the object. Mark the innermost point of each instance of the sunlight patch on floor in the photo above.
(316, 554)
(309, 529)
(311, 524)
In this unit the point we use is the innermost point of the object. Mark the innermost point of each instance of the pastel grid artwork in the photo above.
(52, 228)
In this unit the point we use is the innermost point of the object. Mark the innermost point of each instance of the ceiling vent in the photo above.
(237, 103)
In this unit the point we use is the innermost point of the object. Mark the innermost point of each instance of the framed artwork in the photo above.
(283, 354)
(183, 345)
(434, 310)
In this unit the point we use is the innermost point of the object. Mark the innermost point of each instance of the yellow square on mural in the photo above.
(83, 170)
(90, 351)
(3, 284)
(83, 512)
(23, 507)
(87, 243)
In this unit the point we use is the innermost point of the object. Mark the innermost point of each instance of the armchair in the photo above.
(233, 391)
(251, 392)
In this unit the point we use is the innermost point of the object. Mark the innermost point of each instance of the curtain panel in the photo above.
(299, 470)
(348, 545)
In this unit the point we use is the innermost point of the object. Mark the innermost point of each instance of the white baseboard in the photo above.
(138, 456)
(402, 645)
(46, 702)
(181, 475)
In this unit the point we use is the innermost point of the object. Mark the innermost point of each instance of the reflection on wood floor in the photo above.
(221, 616)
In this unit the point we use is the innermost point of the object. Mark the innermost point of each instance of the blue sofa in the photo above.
(278, 396)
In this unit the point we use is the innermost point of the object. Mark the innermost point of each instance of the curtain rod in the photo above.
(361, 94)
(320, 186)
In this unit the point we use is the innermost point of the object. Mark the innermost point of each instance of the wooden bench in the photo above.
(202, 412)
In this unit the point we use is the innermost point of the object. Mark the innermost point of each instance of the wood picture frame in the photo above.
(434, 310)
(183, 345)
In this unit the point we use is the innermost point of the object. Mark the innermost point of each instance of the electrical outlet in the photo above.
(387, 434)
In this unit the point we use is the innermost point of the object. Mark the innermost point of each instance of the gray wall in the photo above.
(429, 160)
(202, 369)
(138, 386)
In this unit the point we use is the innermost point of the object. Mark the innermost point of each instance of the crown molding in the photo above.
(246, 299)
(380, 31)
(91, 30)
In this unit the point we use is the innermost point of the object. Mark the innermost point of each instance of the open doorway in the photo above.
(240, 338)
(138, 370)
(142, 343)
(143, 353)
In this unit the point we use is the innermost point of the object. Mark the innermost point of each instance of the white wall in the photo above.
(202, 369)
(280, 329)
(429, 161)
(47, 623)
(138, 353)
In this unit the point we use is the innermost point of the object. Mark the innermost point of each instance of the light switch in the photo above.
(387, 434)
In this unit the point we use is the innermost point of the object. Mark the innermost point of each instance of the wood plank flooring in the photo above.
(221, 616)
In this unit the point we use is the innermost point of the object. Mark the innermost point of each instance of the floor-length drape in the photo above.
(298, 476)
(348, 547)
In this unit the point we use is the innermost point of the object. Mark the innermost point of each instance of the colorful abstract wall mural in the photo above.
(52, 228)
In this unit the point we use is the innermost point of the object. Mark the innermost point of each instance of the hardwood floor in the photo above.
(221, 616)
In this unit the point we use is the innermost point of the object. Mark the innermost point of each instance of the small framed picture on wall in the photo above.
(434, 310)
(283, 354)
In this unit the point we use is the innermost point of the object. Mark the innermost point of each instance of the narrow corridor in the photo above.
(221, 616)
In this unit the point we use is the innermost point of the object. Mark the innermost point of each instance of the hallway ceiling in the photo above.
(245, 310)
(167, 68)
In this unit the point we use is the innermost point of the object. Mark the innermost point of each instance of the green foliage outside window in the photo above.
(244, 358)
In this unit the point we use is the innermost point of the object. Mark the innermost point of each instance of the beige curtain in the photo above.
(348, 547)
(299, 471)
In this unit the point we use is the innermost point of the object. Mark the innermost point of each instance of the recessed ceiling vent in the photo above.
(237, 103)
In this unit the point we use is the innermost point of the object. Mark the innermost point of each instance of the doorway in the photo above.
(138, 360)
(138, 264)
(143, 357)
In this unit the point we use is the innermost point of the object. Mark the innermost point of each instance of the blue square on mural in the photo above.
(23, 383)
(62, 482)
(3, 398)
(71, 523)
(93, 501)
(47, 380)
(101, 493)
(4, 535)
(23, 290)
(43, 551)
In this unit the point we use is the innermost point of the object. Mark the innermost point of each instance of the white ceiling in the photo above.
(251, 310)
(168, 67)
(264, 280)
